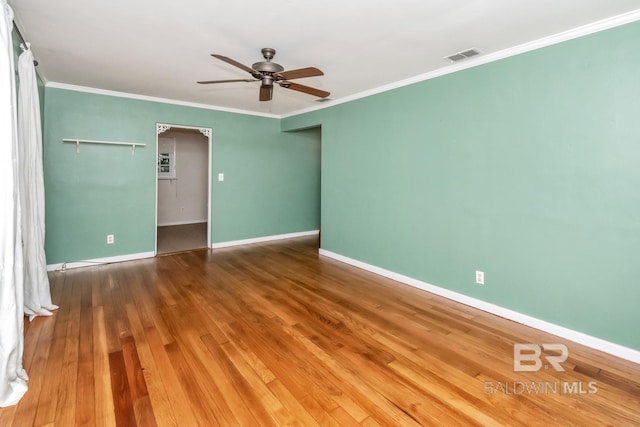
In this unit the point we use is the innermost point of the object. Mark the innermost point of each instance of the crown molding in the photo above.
(584, 30)
(97, 91)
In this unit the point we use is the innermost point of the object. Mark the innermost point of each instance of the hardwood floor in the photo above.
(178, 238)
(272, 334)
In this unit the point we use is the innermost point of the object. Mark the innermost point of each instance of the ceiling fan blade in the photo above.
(234, 63)
(306, 89)
(207, 82)
(266, 93)
(299, 73)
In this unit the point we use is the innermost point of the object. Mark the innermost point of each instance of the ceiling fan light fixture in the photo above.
(268, 73)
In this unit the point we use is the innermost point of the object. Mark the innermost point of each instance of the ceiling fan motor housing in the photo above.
(267, 67)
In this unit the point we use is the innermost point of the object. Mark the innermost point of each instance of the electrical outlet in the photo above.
(480, 277)
(110, 239)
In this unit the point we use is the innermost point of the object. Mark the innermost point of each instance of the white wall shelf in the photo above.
(133, 145)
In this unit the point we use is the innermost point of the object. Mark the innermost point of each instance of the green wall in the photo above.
(526, 168)
(271, 182)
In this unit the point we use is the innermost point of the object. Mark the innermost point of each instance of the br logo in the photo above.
(531, 354)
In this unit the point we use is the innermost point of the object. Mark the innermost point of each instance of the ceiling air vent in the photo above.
(462, 55)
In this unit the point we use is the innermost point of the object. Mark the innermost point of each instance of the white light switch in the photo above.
(220, 177)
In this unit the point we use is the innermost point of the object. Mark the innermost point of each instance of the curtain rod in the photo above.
(24, 41)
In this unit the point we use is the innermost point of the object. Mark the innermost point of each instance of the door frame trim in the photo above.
(208, 133)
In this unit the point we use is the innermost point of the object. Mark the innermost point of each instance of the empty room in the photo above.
(406, 213)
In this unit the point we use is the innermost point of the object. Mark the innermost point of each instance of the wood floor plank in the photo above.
(174, 387)
(196, 395)
(292, 403)
(137, 383)
(25, 411)
(232, 387)
(321, 415)
(121, 391)
(150, 306)
(8, 415)
(110, 310)
(363, 400)
(266, 401)
(158, 399)
(198, 357)
(66, 399)
(54, 386)
(271, 334)
(370, 422)
(103, 398)
(85, 396)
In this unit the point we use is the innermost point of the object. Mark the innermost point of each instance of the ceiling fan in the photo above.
(268, 73)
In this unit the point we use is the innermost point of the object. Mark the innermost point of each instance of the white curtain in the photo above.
(37, 293)
(12, 375)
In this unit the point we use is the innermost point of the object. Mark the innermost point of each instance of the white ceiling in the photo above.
(160, 49)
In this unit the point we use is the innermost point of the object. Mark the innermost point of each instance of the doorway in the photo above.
(183, 188)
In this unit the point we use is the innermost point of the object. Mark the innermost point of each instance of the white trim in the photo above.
(97, 91)
(207, 132)
(171, 126)
(209, 181)
(264, 239)
(585, 30)
(575, 336)
(98, 261)
(197, 221)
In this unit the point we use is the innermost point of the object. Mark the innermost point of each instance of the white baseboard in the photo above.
(575, 336)
(97, 261)
(264, 239)
(197, 221)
